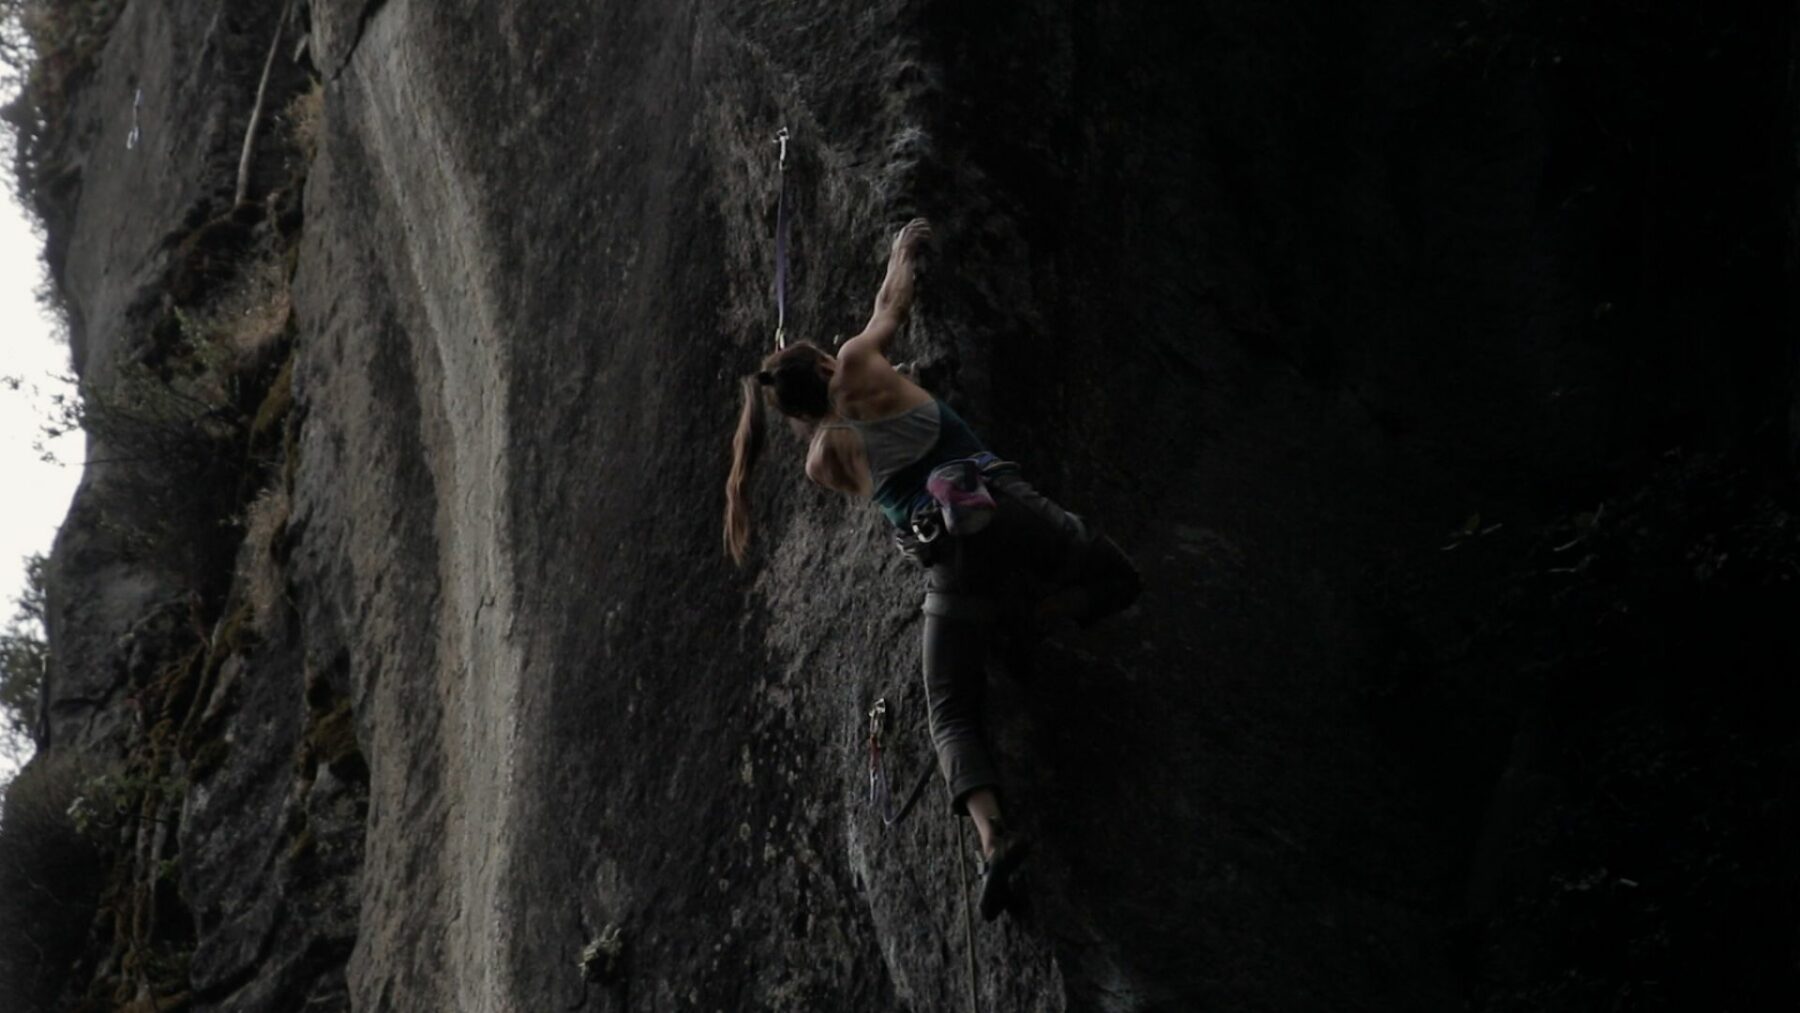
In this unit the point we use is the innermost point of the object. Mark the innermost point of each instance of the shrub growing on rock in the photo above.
(46, 46)
(24, 655)
(50, 881)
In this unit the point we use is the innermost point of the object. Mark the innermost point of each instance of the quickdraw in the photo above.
(781, 244)
(881, 795)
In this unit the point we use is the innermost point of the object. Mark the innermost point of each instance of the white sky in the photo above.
(34, 495)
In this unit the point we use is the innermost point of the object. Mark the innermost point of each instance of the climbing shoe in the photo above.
(997, 886)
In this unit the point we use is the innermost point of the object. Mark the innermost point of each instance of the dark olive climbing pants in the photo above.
(1032, 549)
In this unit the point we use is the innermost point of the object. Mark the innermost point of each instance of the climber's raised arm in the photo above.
(894, 300)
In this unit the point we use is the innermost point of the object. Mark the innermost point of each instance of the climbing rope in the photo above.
(962, 871)
(781, 244)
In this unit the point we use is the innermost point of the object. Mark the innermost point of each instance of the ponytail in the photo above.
(790, 380)
(746, 446)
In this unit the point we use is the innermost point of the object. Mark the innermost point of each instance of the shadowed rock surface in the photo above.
(1436, 366)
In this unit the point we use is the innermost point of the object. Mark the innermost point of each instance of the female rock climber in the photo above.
(997, 550)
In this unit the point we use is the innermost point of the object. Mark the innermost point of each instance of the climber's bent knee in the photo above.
(961, 789)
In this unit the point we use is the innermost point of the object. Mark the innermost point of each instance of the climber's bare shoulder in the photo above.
(835, 460)
(868, 387)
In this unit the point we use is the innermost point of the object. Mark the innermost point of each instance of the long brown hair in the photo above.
(789, 382)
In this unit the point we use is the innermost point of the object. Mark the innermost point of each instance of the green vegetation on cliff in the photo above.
(47, 47)
(24, 657)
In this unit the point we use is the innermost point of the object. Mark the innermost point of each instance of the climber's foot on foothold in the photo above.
(998, 882)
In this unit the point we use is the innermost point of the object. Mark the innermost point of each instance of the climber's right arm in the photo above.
(893, 302)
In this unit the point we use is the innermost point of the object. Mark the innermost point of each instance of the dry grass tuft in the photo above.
(306, 119)
(260, 571)
(251, 314)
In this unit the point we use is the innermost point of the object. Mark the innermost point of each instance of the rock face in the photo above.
(1341, 319)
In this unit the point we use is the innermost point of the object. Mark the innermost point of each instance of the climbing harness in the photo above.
(961, 493)
(781, 244)
(881, 795)
(956, 501)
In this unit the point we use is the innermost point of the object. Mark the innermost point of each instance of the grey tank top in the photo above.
(898, 440)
